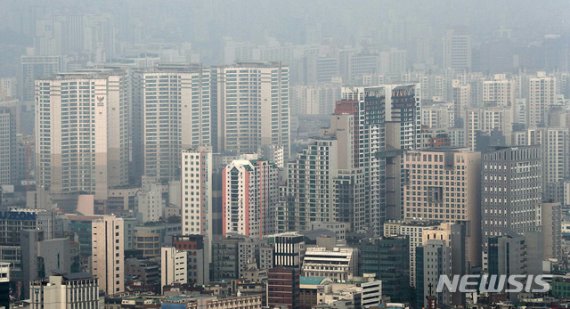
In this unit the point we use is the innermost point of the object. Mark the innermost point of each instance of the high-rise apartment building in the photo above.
(555, 146)
(511, 191)
(348, 188)
(457, 54)
(500, 91)
(314, 99)
(487, 120)
(108, 255)
(403, 132)
(82, 141)
(8, 87)
(310, 181)
(8, 151)
(387, 120)
(252, 106)
(33, 68)
(250, 191)
(196, 182)
(174, 114)
(541, 96)
(444, 185)
(438, 116)
(461, 96)
(368, 106)
(403, 109)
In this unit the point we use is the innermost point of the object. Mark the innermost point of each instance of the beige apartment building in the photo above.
(108, 254)
(444, 186)
(82, 142)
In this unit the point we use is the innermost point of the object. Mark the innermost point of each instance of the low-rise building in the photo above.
(338, 263)
(142, 275)
(362, 292)
(68, 291)
(213, 302)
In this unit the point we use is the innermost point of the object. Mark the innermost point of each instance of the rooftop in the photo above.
(312, 280)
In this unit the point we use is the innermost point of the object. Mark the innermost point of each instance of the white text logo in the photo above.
(494, 283)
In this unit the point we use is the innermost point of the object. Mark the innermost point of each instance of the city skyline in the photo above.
(300, 155)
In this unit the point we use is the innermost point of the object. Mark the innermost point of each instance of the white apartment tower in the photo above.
(555, 146)
(197, 191)
(82, 140)
(541, 96)
(250, 194)
(196, 188)
(486, 120)
(310, 182)
(500, 91)
(438, 116)
(252, 107)
(108, 257)
(175, 115)
(196, 179)
(461, 95)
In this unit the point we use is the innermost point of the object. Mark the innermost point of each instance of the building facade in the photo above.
(511, 191)
(444, 185)
(175, 114)
(75, 155)
(8, 151)
(65, 291)
(252, 107)
(173, 266)
(283, 288)
(108, 260)
(250, 193)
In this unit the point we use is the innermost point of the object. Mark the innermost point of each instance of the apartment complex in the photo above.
(174, 114)
(252, 107)
(82, 141)
(541, 96)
